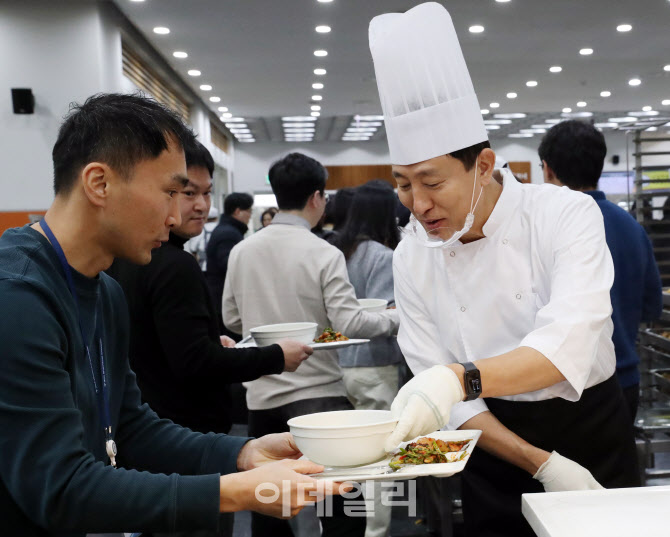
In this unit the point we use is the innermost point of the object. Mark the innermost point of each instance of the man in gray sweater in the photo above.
(285, 273)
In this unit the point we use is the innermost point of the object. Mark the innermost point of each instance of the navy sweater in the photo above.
(636, 292)
(55, 477)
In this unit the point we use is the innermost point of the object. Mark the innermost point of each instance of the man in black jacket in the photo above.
(231, 229)
(183, 367)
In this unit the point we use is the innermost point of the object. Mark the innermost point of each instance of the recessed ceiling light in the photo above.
(511, 95)
(247, 140)
(476, 29)
(320, 72)
(240, 131)
(626, 119)
(484, 111)
(299, 131)
(317, 97)
(531, 83)
(502, 1)
(652, 129)
(513, 115)
(533, 131)
(555, 69)
(355, 138)
(605, 93)
(497, 121)
(320, 53)
(315, 114)
(236, 119)
(298, 118)
(494, 105)
(361, 129)
(236, 125)
(567, 110)
(366, 123)
(624, 28)
(180, 54)
(368, 118)
(646, 108)
(227, 115)
(665, 102)
(521, 135)
(194, 72)
(206, 87)
(644, 113)
(586, 51)
(552, 121)
(577, 114)
(634, 82)
(317, 85)
(222, 108)
(239, 136)
(581, 104)
(315, 107)
(137, 0)
(609, 125)
(325, 1)
(666, 67)
(215, 99)
(491, 127)
(161, 30)
(322, 29)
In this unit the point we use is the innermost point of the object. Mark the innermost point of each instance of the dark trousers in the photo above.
(595, 432)
(262, 422)
(632, 397)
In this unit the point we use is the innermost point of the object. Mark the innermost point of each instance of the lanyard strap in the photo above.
(103, 403)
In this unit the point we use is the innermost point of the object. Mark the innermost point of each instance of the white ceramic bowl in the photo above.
(373, 304)
(343, 437)
(273, 333)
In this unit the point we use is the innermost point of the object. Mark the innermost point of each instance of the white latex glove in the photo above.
(423, 404)
(559, 474)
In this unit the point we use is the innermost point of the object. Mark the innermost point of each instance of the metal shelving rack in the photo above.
(652, 424)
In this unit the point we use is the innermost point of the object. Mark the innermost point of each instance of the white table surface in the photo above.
(633, 512)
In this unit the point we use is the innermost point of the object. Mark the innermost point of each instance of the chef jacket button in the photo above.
(518, 296)
(452, 253)
(462, 308)
(505, 241)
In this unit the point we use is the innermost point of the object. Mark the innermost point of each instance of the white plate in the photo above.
(370, 472)
(316, 346)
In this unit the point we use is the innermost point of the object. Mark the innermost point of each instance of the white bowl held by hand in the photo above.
(273, 333)
(343, 437)
(373, 304)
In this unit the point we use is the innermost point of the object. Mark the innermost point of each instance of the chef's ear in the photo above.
(486, 163)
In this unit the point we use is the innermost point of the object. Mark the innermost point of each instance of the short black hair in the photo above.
(198, 155)
(468, 155)
(295, 178)
(117, 129)
(237, 200)
(575, 151)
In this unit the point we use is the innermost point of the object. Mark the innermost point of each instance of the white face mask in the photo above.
(432, 240)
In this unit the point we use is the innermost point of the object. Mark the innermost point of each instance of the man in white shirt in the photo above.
(285, 273)
(512, 277)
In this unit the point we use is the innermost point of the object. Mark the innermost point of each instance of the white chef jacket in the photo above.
(540, 278)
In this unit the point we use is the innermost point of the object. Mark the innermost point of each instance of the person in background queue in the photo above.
(81, 452)
(232, 226)
(503, 291)
(573, 155)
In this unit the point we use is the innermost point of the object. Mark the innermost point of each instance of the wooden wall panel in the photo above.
(16, 219)
(521, 170)
(349, 176)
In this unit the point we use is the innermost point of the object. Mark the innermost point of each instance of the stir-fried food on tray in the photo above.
(428, 451)
(329, 335)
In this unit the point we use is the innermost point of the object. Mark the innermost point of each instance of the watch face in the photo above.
(476, 385)
(473, 382)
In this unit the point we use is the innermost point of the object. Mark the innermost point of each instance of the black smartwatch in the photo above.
(472, 380)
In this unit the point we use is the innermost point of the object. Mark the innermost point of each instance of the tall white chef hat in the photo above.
(430, 107)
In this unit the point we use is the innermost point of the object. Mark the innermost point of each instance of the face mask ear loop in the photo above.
(474, 186)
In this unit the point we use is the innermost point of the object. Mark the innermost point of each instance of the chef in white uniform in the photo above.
(502, 290)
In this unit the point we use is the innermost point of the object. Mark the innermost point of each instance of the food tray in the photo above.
(661, 377)
(652, 336)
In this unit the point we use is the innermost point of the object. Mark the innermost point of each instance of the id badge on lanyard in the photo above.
(101, 393)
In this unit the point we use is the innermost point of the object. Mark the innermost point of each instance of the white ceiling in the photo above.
(258, 55)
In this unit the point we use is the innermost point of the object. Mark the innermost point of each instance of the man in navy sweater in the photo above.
(68, 397)
(573, 154)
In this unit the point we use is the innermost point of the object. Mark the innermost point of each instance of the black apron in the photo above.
(595, 432)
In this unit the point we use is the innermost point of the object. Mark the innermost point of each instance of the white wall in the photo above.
(253, 160)
(64, 51)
